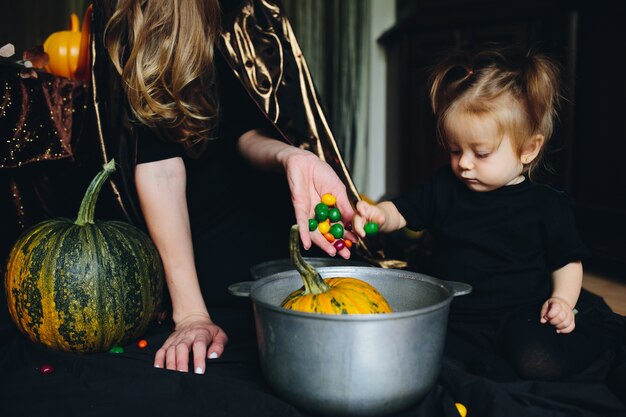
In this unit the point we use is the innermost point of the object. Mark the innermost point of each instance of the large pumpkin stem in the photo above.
(313, 282)
(88, 205)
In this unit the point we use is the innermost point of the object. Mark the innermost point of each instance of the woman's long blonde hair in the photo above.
(164, 51)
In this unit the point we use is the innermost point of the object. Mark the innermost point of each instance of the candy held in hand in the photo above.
(324, 227)
(337, 230)
(334, 214)
(321, 212)
(339, 244)
(326, 220)
(329, 199)
(370, 228)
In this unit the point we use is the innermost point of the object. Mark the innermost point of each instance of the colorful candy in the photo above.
(324, 227)
(116, 349)
(334, 214)
(337, 230)
(370, 228)
(143, 343)
(321, 212)
(329, 199)
(46, 369)
(339, 244)
(326, 220)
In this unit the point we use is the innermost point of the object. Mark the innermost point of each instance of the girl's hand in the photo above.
(558, 313)
(367, 213)
(197, 334)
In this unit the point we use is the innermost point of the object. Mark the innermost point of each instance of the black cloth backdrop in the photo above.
(106, 384)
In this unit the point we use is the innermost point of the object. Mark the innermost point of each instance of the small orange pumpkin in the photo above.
(68, 50)
(339, 295)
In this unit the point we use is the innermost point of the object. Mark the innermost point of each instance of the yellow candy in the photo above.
(461, 409)
(324, 227)
(329, 199)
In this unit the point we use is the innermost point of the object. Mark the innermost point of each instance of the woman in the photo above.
(198, 142)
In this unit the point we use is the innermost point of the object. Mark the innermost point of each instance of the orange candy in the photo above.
(348, 243)
(142, 343)
(329, 237)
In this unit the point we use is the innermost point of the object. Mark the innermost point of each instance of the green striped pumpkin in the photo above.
(83, 285)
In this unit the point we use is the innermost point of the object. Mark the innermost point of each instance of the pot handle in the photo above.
(241, 289)
(459, 288)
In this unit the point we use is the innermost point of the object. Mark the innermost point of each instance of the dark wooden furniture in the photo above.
(589, 145)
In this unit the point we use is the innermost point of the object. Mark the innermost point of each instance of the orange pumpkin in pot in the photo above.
(340, 295)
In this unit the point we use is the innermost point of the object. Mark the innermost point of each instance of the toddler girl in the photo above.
(513, 240)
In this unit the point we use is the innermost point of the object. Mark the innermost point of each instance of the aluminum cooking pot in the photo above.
(367, 365)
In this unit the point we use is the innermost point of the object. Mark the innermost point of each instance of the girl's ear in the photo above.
(531, 149)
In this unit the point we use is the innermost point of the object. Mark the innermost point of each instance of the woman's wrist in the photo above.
(181, 317)
(285, 155)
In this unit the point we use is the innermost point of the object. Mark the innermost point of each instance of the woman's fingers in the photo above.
(203, 339)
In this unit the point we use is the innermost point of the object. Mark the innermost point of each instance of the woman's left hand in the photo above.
(309, 179)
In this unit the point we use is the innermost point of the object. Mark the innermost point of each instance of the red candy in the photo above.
(142, 343)
(46, 369)
(339, 244)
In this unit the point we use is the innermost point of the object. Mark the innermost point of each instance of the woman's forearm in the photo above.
(264, 152)
(161, 187)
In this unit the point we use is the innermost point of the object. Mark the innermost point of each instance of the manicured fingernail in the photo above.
(181, 370)
(199, 370)
(213, 355)
(156, 366)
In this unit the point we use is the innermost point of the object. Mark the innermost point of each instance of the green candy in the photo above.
(336, 230)
(370, 228)
(321, 206)
(334, 214)
(321, 214)
(116, 349)
(312, 224)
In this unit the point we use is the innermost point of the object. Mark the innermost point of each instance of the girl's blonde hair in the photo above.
(164, 51)
(520, 92)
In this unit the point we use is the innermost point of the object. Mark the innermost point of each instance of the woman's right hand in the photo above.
(161, 187)
(197, 334)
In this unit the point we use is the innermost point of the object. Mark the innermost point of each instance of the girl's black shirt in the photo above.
(505, 243)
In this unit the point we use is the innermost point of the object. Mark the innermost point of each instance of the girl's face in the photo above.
(480, 157)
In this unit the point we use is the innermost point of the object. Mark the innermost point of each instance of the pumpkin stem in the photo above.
(88, 205)
(313, 282)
